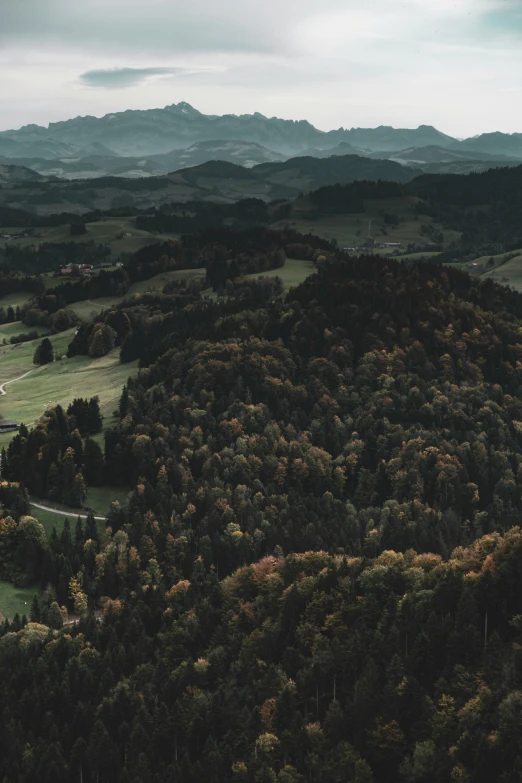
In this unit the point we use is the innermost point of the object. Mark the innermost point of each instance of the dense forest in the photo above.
(317, 574)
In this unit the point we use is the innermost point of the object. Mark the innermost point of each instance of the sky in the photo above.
(454, 64)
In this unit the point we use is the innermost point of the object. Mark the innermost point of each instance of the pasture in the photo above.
(90, 308)
(17, 327)
(419, 256)
(58, 383)
(350, 230)
(506, 270)
(16, 600)
(98, 499)
(16, 299)
(293, 273)
(107, 231)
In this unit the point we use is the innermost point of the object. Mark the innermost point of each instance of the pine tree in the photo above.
(77, 492)
(55, 618)
(54, 483)
(94, 417)
(124, 402)
(44, 353)
(93, 464)
(35, 613)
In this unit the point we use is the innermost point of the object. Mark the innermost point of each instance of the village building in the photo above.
(9, 425)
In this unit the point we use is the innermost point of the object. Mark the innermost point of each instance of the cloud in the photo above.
(361, 62)
(121, 78)
(224, 26)
(156, 26)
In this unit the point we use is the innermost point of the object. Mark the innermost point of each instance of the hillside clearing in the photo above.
(294, 272)
(59, 382)
(16, 600)
(350, 230)
(107, 231)
(98, 500)
(90, 308)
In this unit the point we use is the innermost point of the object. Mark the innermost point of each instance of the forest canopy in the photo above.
(316, 574)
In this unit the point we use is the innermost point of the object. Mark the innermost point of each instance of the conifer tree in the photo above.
(44, 353)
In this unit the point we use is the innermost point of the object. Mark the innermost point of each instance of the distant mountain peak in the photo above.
(183, 108)
(146, 132)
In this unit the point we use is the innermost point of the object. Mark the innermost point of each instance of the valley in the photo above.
(297, 371)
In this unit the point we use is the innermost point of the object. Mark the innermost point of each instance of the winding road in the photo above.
(3, 385)
(72, 514)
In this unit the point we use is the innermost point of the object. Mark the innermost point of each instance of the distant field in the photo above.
(105, 231)
(92, 307)
(17, 327)
(16, 600)
(418, 256)
(507, 272)
(352, 230)
(292, 273)
(16, 299)
(504, 270)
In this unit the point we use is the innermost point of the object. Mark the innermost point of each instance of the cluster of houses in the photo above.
(21, 235)
(84, 270)
(75, 270)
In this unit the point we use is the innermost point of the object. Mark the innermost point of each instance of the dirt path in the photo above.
(97, 304)
(3, 385)
(72, 514)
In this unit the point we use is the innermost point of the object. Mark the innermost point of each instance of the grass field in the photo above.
(16, 299)
(292, 273)
(417, 256)
(65, 379)
(506, 268)
(17, 327)
(16, 600)
(59, 382)
(108, 231)
(93, 307)
(98, 499)
(352, 230)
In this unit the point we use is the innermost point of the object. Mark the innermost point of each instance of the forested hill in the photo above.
(317, 576)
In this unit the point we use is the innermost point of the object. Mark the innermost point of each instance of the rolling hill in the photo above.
(434, 153)
(218, 181)
(13, 175)
(101, 162)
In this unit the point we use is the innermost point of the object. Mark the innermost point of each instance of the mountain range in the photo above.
(136, 133)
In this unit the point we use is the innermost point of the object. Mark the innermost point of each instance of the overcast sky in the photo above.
(455, 64)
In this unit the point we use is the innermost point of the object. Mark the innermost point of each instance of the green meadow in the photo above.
(93, 307)
(350, 230)
(107, 231)
(16, 600)
(57, 383)
(292, 273)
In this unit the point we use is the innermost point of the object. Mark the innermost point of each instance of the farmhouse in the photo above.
(8, 425)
